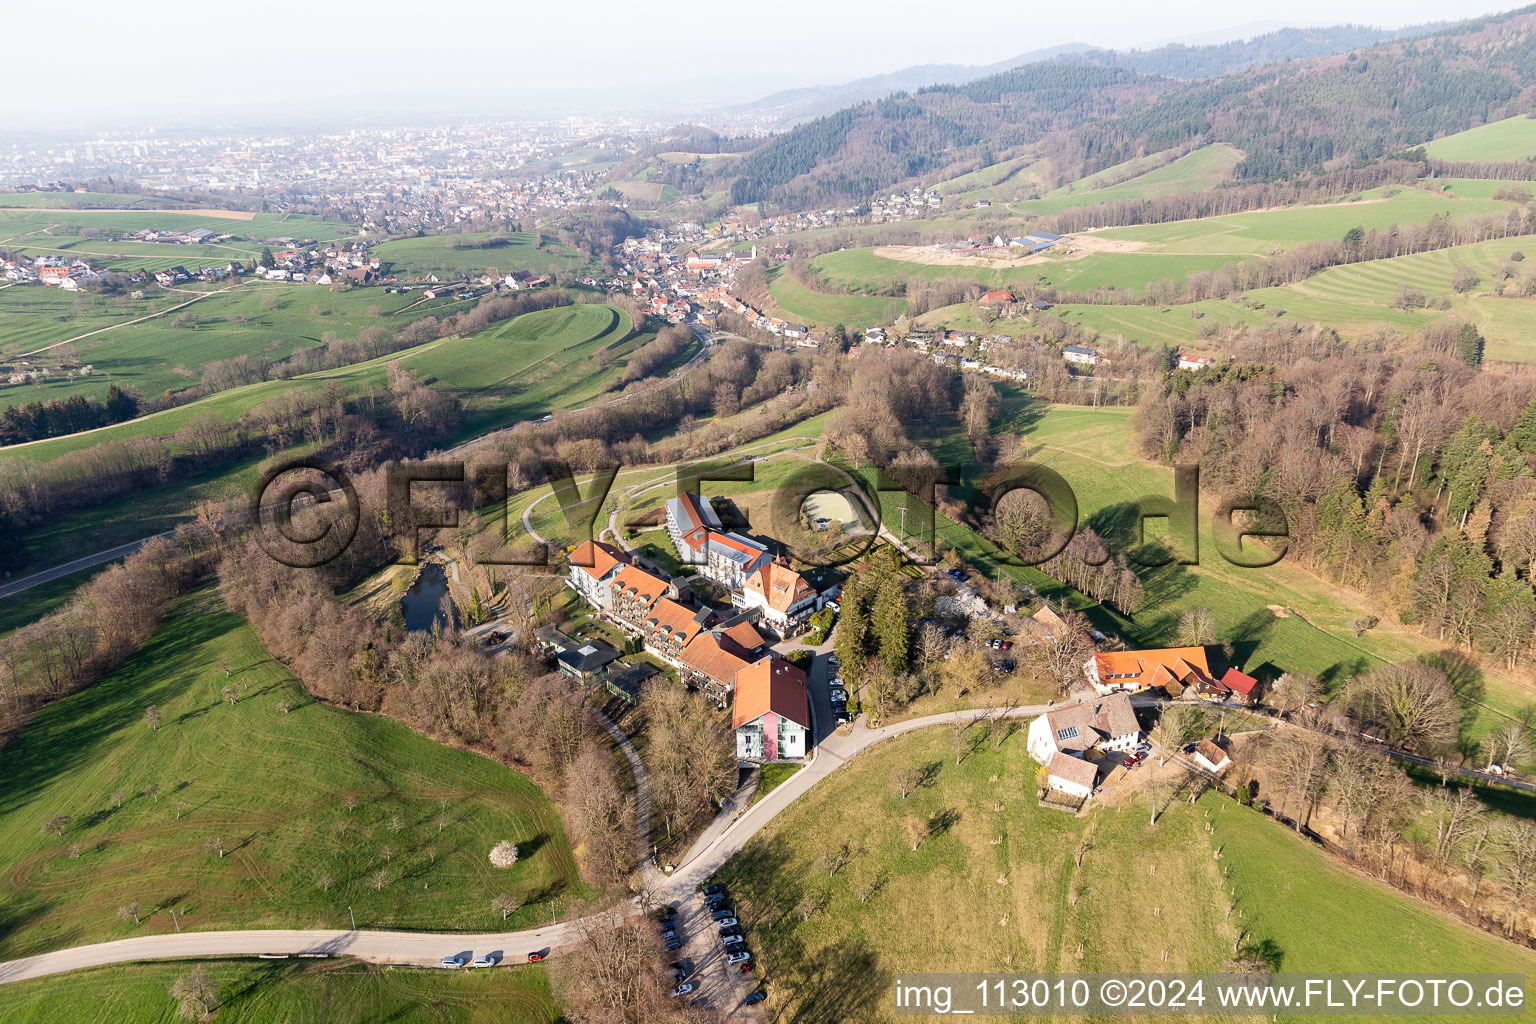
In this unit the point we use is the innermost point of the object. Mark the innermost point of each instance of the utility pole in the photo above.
(353, 917)
(174, 921)
(903, 511)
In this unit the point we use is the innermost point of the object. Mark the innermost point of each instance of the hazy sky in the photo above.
(109, 62)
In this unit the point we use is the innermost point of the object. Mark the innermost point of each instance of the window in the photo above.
(1069, 733)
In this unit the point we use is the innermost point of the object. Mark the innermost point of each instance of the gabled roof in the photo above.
(770, 684)
(1084, 723)
(676, 618)
(1239, 682)
(595, 558)
(646, 586)
(1211, 752)
(707, 655)
(745, 636)
(1186, 664)
(1073, 769)
(779, 585)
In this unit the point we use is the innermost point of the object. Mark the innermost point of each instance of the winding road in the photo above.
(428, 948)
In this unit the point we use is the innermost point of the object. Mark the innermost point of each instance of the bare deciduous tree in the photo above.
(1414, 703)
(152, 718)
(504, 905)
(130, 910)
(195, 994)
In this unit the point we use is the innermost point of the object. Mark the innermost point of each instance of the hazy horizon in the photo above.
(212, 69)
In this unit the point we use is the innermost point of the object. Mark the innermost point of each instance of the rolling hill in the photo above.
(1290, 118)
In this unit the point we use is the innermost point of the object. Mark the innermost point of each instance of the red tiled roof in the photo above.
(647, 586)
(1238, 682)
(780, 585)
(595, 558)
(1187, 664)
(705, 654)
(770, 684)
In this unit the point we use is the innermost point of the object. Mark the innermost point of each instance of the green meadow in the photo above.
(995, 885)
(454, 256)
(293, 992)
(267, 321)
(1358, 298)
(1196, 171)
(1513, 138)
(795, 300)
(317, 808)
(510, 371)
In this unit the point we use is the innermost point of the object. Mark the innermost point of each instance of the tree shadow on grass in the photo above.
(69, 734)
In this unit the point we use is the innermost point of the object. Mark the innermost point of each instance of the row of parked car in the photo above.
(732, 942)
(484, 959)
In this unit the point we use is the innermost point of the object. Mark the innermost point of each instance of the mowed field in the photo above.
(86, 234)
(1196, 171)
(795, 300)
(454, 256)
(489, 367)
(1308, 629)
(274, 786)
(1513, 138)
(263, 992)
(1358, 298)
(266, 320)
(993, 887)
(1174, 250)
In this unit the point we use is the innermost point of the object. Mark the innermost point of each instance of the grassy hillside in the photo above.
(994, 887)
(85, 234)
(261, 992)
(474, 363)
(1133, 257)
(453, 256)
(266, 321)
(794, 300)
(274, 786)
(1513, 138)
(1196, 171)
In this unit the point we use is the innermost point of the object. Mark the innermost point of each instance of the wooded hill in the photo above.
(1297, 117)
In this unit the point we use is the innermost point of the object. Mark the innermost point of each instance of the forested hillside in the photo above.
(1301, 116)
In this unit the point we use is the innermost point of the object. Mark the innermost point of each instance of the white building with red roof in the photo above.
(701, 540)
(770, 713)
(592, 568)
(782, 597)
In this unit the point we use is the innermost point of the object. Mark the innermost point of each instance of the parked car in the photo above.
(673, 943)
(738, 958)
(727, 934)
(842, 718)
(756, 997)
(725, 922)
(1007, 645)
(679, 969)
(1134, 760)
(958, 574)
(486, 960)
(839, 695)
(456, 961)
(534, 958)
(717, 901)
(723, 913)
(682, 989)
(713, 890)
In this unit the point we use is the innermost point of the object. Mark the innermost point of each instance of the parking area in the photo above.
(710, 954)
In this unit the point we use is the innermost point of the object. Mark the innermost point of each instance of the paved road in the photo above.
(385, 947)
(85, 562)
(706, 339)
(707, 857)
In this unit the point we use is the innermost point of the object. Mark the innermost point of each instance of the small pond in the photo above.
(427, 603)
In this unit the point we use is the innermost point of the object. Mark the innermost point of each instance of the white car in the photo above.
(456, 961)
(682, 989)
(726, 922)
(486, 960)
(738, 958)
